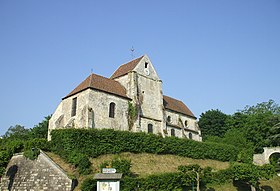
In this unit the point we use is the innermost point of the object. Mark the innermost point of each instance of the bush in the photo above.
(89, 184)
(93, 143)
(5, 157)
(31, 154)
(163, 182)
(81, 161)
(42, 144)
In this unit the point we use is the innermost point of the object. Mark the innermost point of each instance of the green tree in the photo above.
(259, 123)
(274, 137)
(213, 123)
(250, 173)
(41, 130)
(17, 132)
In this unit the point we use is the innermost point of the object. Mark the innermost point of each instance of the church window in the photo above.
(190, 136)
(74, 107)
(150, 128)
(112, 110)
(146, 64)
(169, 119)
(173, 132)
(186, 123)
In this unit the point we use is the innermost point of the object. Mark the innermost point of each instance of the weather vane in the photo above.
(132, 52)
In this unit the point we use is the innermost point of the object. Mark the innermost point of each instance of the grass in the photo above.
(145, 164)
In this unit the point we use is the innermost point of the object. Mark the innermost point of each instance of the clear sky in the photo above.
(211, 54)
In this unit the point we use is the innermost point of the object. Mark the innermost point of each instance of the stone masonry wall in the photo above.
(42, 174)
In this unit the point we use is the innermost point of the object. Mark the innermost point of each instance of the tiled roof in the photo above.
(176, 105)
(100, 83)
(125, 68)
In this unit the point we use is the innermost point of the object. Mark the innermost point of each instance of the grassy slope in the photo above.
(145, 164)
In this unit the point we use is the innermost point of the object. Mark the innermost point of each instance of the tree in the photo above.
(259, 123)
(17, 132)
(196, 170)
(250, 173)
(41, 130)
(213, 123)
(274, 137)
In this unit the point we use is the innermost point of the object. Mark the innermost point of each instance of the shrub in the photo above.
(122, 166)
(81, 161)
(31, 154)
(94, 143)
(42, 144)
(89, 184)
(163, 182)
(5, 156)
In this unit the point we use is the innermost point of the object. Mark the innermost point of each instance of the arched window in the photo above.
(150, 128)
(112, 110)
(169, 119)
(173, 132)
(186, 123)
(190, 135)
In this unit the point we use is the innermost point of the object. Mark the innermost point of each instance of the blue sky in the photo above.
(211, 54)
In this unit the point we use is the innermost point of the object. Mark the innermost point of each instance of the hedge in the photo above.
(185, 179)
(93, 143)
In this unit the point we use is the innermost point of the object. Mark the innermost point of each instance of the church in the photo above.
(130, 100)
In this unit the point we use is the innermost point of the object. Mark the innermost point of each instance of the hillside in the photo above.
(145, 164)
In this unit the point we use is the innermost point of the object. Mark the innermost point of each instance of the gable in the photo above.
(177, 106)
(126, 68)
(141, 65)
(146, 68)
(100, 83)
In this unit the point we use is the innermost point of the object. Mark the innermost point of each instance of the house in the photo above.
(130, 100)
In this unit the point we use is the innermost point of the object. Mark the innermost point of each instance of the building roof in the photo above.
(126, 68)
(177, 106)
(100, 83)
(104, 176)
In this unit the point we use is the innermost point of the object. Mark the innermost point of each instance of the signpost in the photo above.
(108, 180)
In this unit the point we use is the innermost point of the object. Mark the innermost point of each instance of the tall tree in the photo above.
(213, 123)
(41, 130)
(258, 123)
(17, 132)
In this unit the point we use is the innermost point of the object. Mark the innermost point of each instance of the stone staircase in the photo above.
(39, 175)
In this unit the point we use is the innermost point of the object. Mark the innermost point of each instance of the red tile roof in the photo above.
(177, 106)
(100, 83)
(125, 68)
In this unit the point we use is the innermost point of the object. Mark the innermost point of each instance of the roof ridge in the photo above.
(127, 67)
(99, 82)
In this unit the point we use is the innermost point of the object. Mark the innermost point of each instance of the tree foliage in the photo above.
(17, 132)
(41, 130)
(213, 123)
(253, 127)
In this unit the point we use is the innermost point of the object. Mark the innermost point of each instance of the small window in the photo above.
(146, 64)
(74, 107)
(150, 128)
(190, 135)
(186, 123)
(112, 110)
(173, 132)
(168, 119)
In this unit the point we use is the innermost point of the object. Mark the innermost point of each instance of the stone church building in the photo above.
(130, 100)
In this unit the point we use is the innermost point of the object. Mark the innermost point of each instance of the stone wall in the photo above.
(92, 112)
(261, 159)
(41, 174)
(183, 125)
